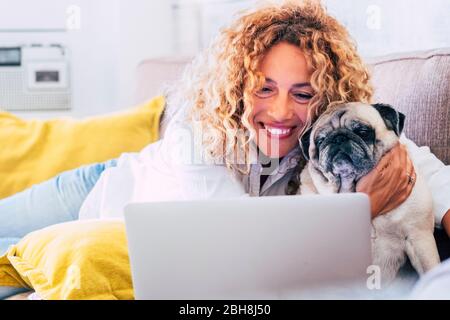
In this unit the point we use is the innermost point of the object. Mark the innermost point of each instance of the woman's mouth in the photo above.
(278, 132)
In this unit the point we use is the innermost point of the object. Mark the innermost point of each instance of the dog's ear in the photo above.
(393, 119)
(304, 142)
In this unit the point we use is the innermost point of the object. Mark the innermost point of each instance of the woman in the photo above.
(240, 110)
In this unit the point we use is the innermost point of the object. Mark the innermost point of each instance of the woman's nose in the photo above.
(281, 109)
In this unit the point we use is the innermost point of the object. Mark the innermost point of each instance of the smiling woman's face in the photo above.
(280, 107)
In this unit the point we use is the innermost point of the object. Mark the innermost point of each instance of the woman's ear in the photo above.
(304, 142)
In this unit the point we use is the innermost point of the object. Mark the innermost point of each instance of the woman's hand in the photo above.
(390, 183)
(446, 222)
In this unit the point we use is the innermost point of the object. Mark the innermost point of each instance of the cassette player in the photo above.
(35, 77)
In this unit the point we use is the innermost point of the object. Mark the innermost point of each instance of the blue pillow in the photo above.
(5, 243)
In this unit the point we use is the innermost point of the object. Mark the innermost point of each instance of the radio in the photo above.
(34, 77)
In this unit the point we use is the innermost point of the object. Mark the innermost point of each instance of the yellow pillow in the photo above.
(77, 260)
(34, 151)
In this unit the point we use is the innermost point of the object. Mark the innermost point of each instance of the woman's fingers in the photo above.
(391, 181)
(402, 178)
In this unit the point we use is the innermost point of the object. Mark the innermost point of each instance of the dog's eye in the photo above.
(319, 141)
(364, 133)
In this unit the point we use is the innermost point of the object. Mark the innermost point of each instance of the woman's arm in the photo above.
(165, 171)
(437, 176)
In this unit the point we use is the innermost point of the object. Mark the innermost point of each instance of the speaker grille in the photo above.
(14, 95)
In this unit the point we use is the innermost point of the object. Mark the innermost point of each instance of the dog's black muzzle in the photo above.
(344, 148)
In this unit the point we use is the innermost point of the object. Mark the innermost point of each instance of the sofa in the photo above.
(416, 83)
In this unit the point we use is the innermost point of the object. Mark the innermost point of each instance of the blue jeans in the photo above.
(54, 201)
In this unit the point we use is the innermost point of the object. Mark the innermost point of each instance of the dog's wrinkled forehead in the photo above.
(348, 115)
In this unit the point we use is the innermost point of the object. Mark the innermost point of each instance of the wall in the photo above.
(114, 36)
(93, 48)
(145, 32)
(379, 26)
(384, 26)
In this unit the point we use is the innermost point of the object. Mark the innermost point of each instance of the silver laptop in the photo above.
(247, 248)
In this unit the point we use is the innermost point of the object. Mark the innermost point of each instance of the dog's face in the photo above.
(347, 141)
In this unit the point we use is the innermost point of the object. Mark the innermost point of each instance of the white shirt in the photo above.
(434, 285)
(167, 170)
(436, 174)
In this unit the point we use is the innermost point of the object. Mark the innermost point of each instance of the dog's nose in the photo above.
(339, 139)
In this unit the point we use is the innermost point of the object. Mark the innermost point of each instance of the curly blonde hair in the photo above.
(217, 88)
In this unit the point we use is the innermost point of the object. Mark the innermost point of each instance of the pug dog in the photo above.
(345, 144)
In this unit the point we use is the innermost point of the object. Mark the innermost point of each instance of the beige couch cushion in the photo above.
(418, 84)
(153, 75)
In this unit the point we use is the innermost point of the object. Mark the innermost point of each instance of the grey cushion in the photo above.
(418, 84)
(154, 74)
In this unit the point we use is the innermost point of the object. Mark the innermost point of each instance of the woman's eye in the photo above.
(302, 97)
(263, 92)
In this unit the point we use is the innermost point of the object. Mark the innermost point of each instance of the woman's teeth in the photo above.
(278, 131)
